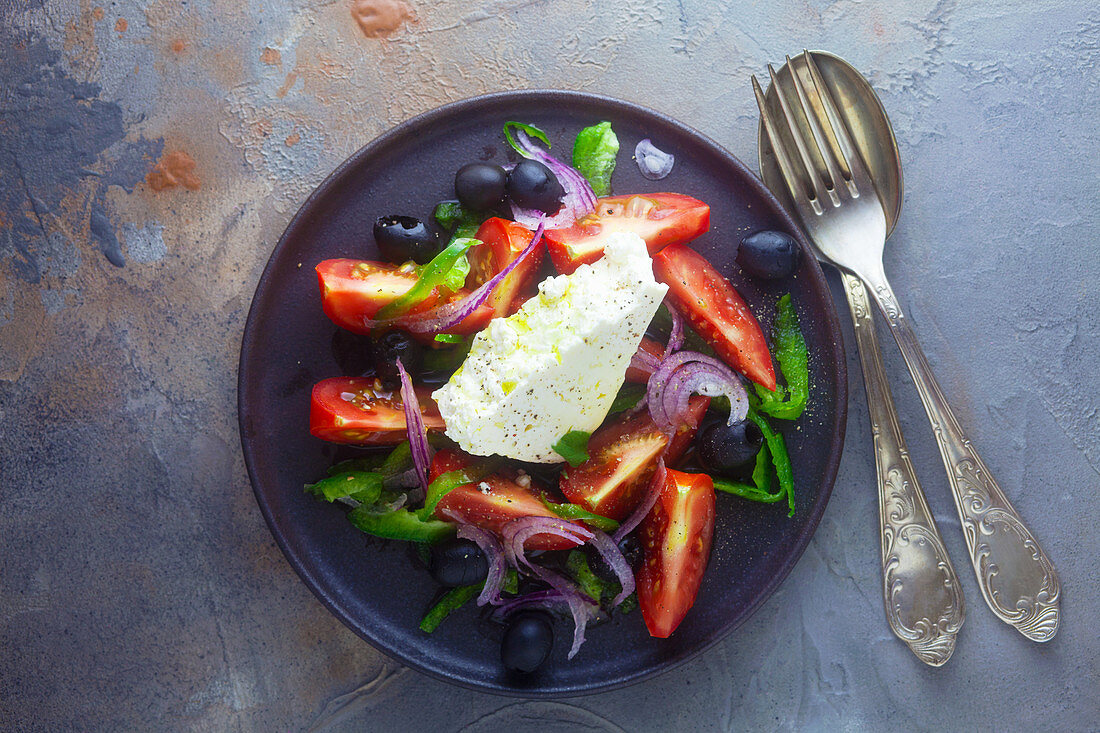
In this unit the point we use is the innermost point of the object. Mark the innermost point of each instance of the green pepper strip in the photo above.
(456, 598)
(400, 524)
(452, 600)
(363, 486)
(787, 402)
(432, 275)
(576, 511)
(775, 448)
(447, 482)
(590, 583)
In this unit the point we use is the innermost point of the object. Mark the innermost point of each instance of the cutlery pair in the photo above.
(835, 161)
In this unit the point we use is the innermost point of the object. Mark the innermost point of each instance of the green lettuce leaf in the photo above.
(594, 153)
(573, 447)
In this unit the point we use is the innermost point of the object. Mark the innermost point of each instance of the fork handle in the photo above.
(921, 592)
(1017, 580)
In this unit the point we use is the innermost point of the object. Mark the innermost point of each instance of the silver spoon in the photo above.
(833, 192)
(921, 592)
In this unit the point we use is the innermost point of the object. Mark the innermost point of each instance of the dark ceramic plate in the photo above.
(375, 587)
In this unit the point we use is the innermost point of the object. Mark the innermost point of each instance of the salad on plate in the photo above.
(556, 386)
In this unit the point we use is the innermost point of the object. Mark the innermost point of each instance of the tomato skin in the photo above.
(716, 311)
(676, 538)
(501, 243)
(503, 501)
(623, 456)
(638, 375)
(661, 219)
(337, 420)
(355, 290)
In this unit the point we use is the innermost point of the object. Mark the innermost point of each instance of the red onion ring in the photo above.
(414, 425)
(643, 509)
(449, 315)
(670, 387)
(613, 556)
(494, 552)
(653, 162)
(579, 199)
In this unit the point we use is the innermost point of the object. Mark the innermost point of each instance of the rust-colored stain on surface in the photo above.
(174, 169)
(380, 18)
(287, 84)
(292, 139)
(98, 13)
(121, 25)
(179, 45)
(271, 57)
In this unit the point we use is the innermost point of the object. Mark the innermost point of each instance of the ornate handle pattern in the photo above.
(921, 592)
(1017, 579)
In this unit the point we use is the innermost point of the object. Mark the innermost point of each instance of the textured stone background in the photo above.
(139, 587)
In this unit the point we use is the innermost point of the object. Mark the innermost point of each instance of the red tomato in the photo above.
(676, 539)
(622, 458)
(715, 311)
(501, 242)
(354, 290)
(638, 375)
(492, 502)
(357, 410)
(660, 219)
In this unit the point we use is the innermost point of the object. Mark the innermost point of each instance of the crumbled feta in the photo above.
(556, 364)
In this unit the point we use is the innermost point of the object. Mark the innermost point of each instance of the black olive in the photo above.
(534, 186)
(527, 641)
(353, 353)
(768, 255)
(728, 450)
(403, 238)
(630, 546)
(480, 186)
(458, 562)
(390, 347)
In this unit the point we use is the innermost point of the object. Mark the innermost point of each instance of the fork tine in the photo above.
(823, 145)
(821, 193)
(796, 184)
(848, 150)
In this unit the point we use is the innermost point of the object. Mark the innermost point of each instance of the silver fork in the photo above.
(845, 219)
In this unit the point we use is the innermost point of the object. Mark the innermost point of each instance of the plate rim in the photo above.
(832, 323)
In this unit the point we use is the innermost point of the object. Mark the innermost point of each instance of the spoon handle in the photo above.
(921, 593)
(1018, 581)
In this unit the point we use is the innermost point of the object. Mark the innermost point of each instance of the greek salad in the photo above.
(551, 386)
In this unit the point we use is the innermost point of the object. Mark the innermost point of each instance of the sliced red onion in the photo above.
(643, 509)
(449, 315)
(645, 361)
(494, 553)
(397, 503)
(414, 425)
(613, 556)
(653, 162)
(403, 480)
(676, 335)
(550, 600)
(579, 199)
(686, 372)
(518, 531)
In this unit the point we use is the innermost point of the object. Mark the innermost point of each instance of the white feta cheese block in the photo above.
(557, 363)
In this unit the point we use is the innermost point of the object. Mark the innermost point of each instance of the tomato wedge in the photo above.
(638, 375)
(359, 411)
(676, 539)
(492, 502)
(622, 458)
(501, 243)
(354, 290)
(716, 311)
(660, 219)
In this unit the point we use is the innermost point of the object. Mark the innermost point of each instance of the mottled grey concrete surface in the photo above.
(139, 587)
